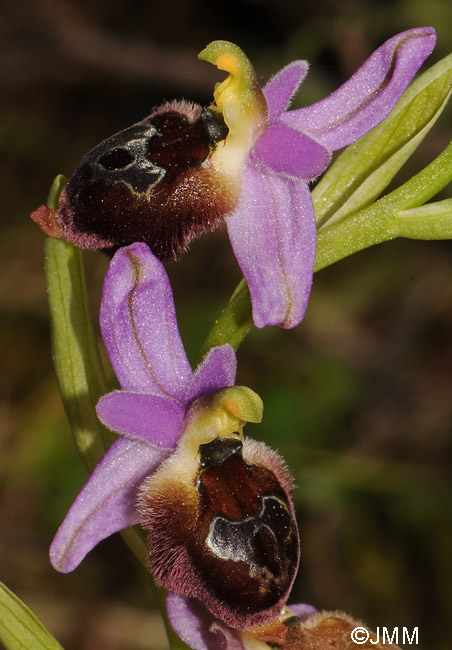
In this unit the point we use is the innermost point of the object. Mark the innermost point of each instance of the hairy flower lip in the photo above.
(153, 182)
(191, 551)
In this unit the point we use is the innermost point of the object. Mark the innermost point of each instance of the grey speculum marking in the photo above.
(126, 159)
(257, 540)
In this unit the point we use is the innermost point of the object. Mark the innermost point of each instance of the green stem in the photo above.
(234, 322)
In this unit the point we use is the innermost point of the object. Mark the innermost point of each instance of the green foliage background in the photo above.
(357, 399)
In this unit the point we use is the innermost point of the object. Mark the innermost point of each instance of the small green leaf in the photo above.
(20, 629)
(365, 168)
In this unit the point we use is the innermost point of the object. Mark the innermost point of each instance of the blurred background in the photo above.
(358, 398)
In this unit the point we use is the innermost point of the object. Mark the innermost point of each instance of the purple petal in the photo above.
(216, 371)
(139, 327)
(106, 504)
(280, 89)
(287, 151)
(302, 611)
(273, 234)
(153, 419)
(197, 628)
(369, 95)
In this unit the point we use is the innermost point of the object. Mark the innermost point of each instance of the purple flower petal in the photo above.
(369, 95)
(197, 628)
(280, 89)
(139, 327)
(291, 152)
(106, 503)
(273, 234)
(216, 371)
(302, 611)
(225, 637)
(154, 419)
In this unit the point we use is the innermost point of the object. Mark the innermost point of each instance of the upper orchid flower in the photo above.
(218, 510)
(246, 159)
(272, 228)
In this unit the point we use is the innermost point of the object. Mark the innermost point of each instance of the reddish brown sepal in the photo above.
(48, 221)
(229, 539)
(151, 182)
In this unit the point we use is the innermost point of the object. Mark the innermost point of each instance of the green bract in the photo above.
(431, 221)
(20, 629)
(387, 218)
(75, 354)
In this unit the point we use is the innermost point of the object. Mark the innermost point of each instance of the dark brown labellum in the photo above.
(247, 542)
(150, 183)
(224, 531)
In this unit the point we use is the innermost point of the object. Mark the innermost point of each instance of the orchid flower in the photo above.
(272, 228)
(158, 386)
(217, 507)
(247, 159)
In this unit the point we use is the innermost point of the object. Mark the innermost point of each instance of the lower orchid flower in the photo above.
(217, 507)
(247, 159)
(140, 332)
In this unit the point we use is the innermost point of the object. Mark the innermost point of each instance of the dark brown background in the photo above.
(358, 398)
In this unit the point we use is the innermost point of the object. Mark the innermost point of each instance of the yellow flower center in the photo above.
(240, 100)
